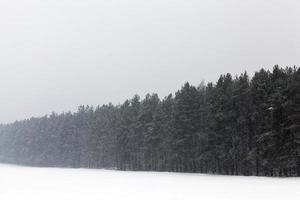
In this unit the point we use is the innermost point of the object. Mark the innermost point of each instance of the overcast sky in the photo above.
(58, 54)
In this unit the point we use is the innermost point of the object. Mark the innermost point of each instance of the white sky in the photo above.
(58, 54)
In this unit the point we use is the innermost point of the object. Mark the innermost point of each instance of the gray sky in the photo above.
(58, 54)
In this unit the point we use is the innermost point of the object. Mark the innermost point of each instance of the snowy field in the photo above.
(25, 183)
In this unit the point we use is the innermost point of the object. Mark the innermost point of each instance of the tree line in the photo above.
(236, 126)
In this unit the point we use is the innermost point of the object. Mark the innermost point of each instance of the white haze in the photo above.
(58, 54)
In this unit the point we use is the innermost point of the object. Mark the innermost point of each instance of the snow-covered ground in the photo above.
(25, 183)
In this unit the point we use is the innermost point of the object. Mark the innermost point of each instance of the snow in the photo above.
(25, 183)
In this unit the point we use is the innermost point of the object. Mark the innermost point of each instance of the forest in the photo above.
(239, 125)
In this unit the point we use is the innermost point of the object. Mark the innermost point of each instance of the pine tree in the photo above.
(149, 122)
(261, 117)
(235, 126)
(290, 149)
(223, 139)
(186, 123)
(243, 126)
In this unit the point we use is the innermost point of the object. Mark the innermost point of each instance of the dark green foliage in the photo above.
(237, 126)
